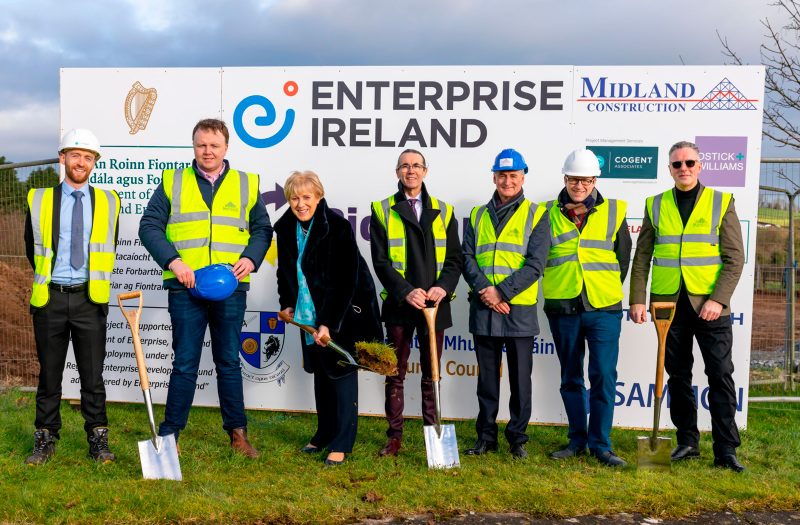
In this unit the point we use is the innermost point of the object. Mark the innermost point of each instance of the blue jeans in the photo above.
(190, 317)
(571, 332)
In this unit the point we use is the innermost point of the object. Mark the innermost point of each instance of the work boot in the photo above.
(98, 446)
(44, 447)
(240, 444)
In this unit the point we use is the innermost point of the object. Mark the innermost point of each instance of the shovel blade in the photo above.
(657, 457)
(442, 449)
(161, 462)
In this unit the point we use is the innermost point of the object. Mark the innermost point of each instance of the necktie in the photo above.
(76, 247)
(413, 204)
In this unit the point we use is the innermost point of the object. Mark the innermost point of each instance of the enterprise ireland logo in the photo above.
(267, 119)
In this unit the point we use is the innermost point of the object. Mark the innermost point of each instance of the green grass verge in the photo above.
(285, 486)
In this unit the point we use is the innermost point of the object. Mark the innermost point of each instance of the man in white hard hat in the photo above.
(206, 214)
(417, 258)
(505, 248)
(70, 241)
(588, 261)
(693, 236)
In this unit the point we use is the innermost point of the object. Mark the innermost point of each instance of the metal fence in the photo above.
(774, 305)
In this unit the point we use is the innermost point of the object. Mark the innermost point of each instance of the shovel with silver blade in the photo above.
(159, 454)
(440, 440)
(655, 452)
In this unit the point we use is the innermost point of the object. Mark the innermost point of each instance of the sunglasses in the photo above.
(677, 164)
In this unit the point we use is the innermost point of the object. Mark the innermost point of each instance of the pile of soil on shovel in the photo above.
(378, 357)
(717, 518)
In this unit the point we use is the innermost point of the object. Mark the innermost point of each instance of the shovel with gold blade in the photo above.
(440, 440)
(655, 451)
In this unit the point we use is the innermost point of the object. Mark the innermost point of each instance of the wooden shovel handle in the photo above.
(430, 319)
(304, 327)
(662, 328)
(133, 316)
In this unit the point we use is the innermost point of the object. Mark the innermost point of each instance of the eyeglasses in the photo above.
(574, 181)
(415, 167)
(677, 164)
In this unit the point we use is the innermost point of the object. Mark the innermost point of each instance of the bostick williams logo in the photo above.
(261, 346)
(139, 106)
(290, 89)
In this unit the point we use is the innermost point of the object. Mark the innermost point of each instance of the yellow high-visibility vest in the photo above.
(396, 234)
(499, 257)
(102, 250)
(585, 257)
(692, 252)
(204, 236)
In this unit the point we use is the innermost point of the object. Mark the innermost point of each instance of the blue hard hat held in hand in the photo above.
(215, 282)
(509, 160)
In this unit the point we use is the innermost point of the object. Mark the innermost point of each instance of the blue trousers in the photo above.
(571, 333)
(190, 317)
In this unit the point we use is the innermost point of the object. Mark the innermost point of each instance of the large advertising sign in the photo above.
(349, 125)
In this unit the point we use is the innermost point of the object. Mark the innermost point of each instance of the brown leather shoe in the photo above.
(391, 448)
(240, 444)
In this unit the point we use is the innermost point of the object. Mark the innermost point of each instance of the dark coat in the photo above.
(339, 281)
(421, 264)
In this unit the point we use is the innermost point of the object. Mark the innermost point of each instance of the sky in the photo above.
(39, 37)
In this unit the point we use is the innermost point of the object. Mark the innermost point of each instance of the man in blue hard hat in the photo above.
(505, 248)
(206, 214)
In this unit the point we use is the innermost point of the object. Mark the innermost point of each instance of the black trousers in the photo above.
(489, 352)
(715, 339)
(337, 411)
(70, 315)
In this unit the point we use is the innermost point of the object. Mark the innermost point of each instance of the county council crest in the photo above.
(261, 347)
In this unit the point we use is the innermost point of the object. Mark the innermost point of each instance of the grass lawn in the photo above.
(286, 486)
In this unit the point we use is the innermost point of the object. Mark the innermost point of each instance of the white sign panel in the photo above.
(349, 125)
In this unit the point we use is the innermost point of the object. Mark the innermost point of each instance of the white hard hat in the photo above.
(80, 138)
(581, 163)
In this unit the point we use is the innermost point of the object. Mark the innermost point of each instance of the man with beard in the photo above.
(70, 242)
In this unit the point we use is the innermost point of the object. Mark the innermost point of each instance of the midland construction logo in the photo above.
(724, 161)
(266, 117)
(261, 346)
(139, 104)
(627, 162)
(605, 95)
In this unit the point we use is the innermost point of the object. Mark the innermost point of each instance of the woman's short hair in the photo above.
(301, 179)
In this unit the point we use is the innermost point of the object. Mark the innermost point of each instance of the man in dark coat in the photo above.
(417, 257)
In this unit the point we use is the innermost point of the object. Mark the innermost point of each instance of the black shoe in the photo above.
(609, 459)
(481, 447)
(44, 447)
(567, 452)
(518, 451)
(333, 463)
(309, 449)
(682, 452)
(729, 461)
(98, 446)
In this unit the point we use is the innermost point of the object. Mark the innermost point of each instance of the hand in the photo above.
(243, 267)
(490, 296)
(436, 294)
(710, 310)
(322, 333)
(183, 272)
(502, 308)
(288, 312)
(416, 298)
(638, 313)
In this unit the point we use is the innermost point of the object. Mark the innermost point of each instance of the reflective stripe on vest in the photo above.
(102, 253)
(204, 236)
(692, 252)
(586, 257)
(499, 257)
(396, 234)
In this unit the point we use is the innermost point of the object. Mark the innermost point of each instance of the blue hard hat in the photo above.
(509, 160)
(214, 283)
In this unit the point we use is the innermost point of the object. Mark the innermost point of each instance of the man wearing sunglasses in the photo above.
(417, 257)
(589, 257)
(692, 235)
